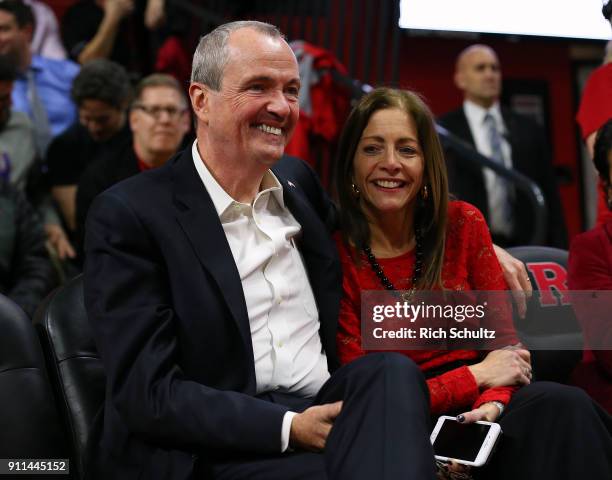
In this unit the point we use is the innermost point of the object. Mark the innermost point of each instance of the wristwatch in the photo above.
(499, 405)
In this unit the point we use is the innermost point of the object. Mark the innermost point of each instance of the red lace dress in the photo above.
(469, 264)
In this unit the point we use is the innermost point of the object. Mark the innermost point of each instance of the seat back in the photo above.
(75, 368)
(550, 328)
(29, 420)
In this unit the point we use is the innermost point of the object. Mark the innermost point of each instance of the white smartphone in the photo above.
(469, 444)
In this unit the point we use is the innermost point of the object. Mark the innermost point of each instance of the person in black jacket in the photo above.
(26, 273)
(513, 140)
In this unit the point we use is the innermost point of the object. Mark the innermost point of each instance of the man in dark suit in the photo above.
(513, 140)
(213, 289)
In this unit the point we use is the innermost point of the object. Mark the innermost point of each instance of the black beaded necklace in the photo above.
(418, 265)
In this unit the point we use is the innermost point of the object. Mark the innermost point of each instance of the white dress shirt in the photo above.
(283, 315)
(476, 120)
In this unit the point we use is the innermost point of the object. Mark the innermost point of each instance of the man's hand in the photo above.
(59, 241)
(516, 277)
(503, 368)
(309, 429)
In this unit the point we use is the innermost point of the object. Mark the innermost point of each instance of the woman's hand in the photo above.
(503, 368)
(488, 412)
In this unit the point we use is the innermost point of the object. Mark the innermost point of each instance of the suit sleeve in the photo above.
(129, 304)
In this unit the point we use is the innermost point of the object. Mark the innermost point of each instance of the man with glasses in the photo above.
(158, 120)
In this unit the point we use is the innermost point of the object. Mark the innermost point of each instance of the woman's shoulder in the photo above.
(464, 213)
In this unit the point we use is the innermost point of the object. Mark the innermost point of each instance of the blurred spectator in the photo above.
(46, 40)
(26, 273)
(102, 94)
(513, 140)
(113, 29)
(19, 164)
(159, 120)
(596, 108)
(590, 268)
(17, 152)
(42, 89)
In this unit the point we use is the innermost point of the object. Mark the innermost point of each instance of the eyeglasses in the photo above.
(156, 111)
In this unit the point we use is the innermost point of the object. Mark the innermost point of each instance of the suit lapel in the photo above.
(463, 129)
(199, 220)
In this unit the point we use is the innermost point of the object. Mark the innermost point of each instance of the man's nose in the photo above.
(279, 105)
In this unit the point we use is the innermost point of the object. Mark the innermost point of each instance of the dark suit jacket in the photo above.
(530, 156)
(169, 318)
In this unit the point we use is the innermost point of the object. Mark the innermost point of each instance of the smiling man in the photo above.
(213, 288)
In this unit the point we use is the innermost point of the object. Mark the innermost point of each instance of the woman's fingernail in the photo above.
(460, 418)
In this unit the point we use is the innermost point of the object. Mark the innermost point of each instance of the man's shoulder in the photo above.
(147, 188)
(452, 117)
(60, 69)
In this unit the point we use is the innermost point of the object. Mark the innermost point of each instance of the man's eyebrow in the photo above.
(266, 78)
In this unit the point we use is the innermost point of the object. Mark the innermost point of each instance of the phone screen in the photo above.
(459, 441)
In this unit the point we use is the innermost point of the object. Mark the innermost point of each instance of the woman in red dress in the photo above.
(400, 231)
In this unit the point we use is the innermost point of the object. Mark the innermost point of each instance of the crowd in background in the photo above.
(101, 96)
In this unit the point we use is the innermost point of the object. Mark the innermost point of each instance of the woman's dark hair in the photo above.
(601, 154)
(431, 214)
(102, 80)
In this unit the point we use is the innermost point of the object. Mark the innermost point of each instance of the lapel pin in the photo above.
(290, 184)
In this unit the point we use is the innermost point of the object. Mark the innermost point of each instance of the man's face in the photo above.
(5, 102)
(101, 120)
(14, 41)
(159, 120)
(252, 117)
(479, 76)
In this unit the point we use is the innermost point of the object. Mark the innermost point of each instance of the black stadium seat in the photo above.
(75, 368)
(550, 329)
(29, 422)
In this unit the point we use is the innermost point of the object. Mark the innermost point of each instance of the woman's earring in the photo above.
(424, 192)
(356, 191)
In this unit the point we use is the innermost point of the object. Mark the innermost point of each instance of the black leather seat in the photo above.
(75, 368)
(550, 328)
(29, 421)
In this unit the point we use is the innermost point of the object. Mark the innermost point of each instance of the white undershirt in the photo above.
(283, 315)
(476, 120)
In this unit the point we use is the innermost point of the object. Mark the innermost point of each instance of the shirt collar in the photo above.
(476, 113)
(221, 199)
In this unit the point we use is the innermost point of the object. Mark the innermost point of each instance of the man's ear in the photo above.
(199, 94)
(459, 80)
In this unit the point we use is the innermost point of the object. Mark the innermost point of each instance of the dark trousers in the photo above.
(385, 402)
(552, 431)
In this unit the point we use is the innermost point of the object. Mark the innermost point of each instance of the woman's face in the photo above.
(388, 164)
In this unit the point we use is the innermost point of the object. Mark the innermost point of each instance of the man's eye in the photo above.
(257, 87)
(294, 91)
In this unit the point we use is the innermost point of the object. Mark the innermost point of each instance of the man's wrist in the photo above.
(286, 430)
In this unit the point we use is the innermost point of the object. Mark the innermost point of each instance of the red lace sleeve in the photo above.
(485, 274)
